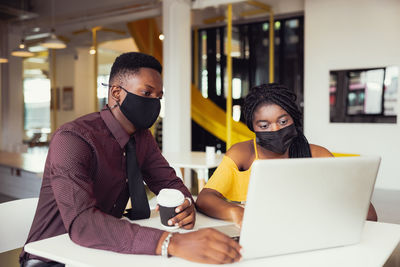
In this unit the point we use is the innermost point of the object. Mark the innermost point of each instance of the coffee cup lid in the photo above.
(170, 197)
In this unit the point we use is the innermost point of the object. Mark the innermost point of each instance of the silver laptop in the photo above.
(296, 205)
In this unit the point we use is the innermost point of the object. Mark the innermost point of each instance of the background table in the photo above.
(21, 174)
(23, 162)
(196, 161)
(377, 243)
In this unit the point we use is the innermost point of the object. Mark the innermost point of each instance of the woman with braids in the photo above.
(272, 114)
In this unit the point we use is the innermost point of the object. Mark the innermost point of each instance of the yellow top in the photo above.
(229, 181)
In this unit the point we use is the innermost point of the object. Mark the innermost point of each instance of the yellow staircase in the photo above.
(203, 111)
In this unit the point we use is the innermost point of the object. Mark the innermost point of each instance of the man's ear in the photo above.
(115, 93)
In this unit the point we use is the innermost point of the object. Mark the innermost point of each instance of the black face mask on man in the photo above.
(277, 141)
(141, 111)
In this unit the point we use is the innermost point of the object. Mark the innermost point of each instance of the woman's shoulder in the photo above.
(241, 153)
(319, 151)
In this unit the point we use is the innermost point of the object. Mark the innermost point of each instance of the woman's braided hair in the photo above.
(280, 95)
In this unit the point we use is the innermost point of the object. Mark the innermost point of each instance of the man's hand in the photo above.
(186, 216)
(206, 246)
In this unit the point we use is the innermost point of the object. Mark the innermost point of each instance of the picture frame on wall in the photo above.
(366, 95)
(68, 99)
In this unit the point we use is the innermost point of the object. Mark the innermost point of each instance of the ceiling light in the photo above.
(3, 60)
(21, 51)
(37, 59)
(161, 36)
(37, 48)
(33, 72)
(54, 43)
(92, 50)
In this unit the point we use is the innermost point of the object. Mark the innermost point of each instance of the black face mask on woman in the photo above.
(141, 111)
(277, 141)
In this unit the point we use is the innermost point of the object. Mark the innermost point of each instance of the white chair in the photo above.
(16, 217)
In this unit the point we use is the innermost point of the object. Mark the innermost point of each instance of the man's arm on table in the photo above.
(72, 184)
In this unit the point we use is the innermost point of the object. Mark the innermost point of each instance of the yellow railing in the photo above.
(335, 154)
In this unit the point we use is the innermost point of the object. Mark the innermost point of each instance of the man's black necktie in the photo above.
(140, 205)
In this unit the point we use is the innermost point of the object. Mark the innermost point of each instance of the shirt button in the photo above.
(124, 154)
(126, 180)
(115, 205)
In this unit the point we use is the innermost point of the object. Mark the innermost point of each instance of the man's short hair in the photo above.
(130, 64)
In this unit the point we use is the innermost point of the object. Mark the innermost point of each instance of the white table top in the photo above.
(377, 243)
(193, 160)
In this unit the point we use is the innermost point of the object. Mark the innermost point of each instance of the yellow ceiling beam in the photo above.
(214, 20)
(252, 12)
(260, 5)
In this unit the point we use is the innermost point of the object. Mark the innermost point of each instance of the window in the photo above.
(250, 65)
(102, 91)
(36, 89)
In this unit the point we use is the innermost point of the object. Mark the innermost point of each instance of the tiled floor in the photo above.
(10, 258)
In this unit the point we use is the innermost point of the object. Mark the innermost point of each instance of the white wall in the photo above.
(344, 34)
(65, 78)
(75, 69)
(83, 82)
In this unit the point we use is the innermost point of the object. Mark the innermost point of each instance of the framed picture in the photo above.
(364, 95)
(68, 98)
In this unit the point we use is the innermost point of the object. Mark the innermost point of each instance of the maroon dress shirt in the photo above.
(85, 187)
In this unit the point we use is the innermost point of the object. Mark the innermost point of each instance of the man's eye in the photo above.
(147, 93)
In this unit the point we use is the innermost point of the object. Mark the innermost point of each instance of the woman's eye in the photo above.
(263, 126)
(283, 122)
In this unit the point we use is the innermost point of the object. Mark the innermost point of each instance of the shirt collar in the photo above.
(114, 126)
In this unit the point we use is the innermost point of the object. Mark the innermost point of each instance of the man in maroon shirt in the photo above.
(85, 186)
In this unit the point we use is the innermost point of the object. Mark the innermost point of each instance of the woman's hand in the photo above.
(236, 213)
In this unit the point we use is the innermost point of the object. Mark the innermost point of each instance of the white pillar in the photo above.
(177, 75)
